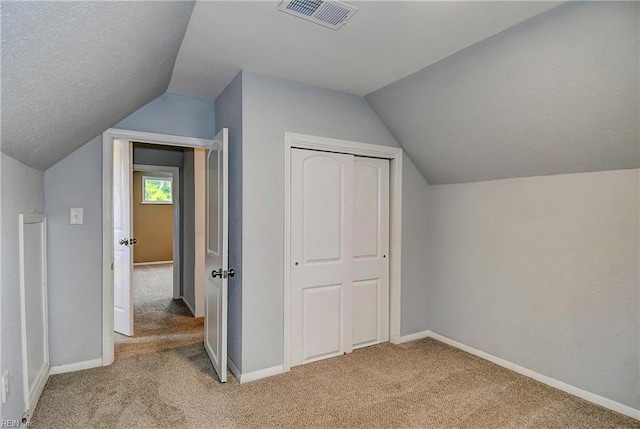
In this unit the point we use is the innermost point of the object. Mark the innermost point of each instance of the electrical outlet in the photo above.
(5, 386)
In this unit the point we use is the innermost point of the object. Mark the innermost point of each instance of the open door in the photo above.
(217, 270)
(122, 261)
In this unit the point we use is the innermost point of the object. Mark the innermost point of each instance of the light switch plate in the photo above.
(75, 216)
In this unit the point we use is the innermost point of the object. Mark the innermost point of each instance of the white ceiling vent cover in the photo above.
(331, 14)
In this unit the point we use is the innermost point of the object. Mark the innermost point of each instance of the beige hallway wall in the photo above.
(152, 226)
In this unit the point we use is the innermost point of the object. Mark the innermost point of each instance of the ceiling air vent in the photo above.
(331, 14)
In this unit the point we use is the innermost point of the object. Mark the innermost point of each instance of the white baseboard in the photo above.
(255, 375)
(137, 264)
(413, 337)
(77, 366)
(234, 369)
(249, 376)
(262, 373)
(580, 393)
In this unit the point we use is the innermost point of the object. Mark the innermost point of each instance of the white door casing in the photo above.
(122, 260)
(321, 255)
(371, 252)
(217, 253)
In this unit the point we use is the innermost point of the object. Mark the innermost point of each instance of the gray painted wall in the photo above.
(542, 272)
(1, 271)
(187, 208)
(556, 94)
(414, 241)
(157, 155)
(173, 114)
(271, 107)
(74, 255)
(76, 325)
(229, 115)
(22, 192)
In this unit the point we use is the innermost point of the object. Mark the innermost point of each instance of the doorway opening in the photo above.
(158, 285)
(211, 271)
(163, 292)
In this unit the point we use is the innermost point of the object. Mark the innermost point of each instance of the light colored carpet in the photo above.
(159, 321)
(424, 384)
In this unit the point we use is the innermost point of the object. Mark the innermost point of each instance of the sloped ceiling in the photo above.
(385, 41)
(556, 94)
(70, 70)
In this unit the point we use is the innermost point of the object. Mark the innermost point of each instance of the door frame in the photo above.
(107, 217)
(324, 144)
(177, 234)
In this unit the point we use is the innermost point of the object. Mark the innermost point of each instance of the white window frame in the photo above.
(158, 177)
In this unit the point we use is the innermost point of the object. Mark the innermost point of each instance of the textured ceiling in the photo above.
(385, 41)
(557, 94)
(70, 70)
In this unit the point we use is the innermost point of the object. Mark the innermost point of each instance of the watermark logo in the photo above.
(15, 423)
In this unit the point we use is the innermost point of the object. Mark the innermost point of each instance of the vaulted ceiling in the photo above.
(385, 41)
(70, 70)
(557, 94)
(470, 94)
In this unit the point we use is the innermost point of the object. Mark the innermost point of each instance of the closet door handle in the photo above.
(217, 273)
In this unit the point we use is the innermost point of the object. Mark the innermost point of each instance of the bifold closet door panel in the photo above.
(371, 252)
(321, 254)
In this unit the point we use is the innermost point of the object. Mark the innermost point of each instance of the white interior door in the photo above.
(122, 261)
(33, 297)
(371, 252)
(217, 254)
(321, 255)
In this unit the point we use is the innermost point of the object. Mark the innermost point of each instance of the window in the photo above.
(157, 190)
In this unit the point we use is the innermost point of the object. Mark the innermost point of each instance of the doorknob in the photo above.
(232, 272)
(124, 241)
(133, 241)
(215, 273)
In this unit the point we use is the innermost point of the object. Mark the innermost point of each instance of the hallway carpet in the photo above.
(159, 321)
(422, 384)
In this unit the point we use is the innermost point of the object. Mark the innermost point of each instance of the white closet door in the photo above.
(321, 255)
(371, 252)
